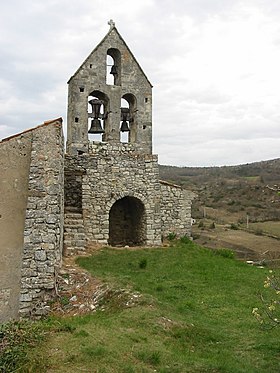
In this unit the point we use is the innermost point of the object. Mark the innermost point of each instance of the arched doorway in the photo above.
(127, 222)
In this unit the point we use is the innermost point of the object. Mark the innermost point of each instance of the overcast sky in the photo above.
(214, 65)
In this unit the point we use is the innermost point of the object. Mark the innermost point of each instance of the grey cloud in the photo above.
(43, 43)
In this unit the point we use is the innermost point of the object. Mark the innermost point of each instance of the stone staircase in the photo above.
(74, 241)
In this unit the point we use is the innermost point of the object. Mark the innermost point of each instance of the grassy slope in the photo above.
(195, 316)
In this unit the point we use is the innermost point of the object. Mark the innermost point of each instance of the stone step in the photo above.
(77, 243)
(74, 236)
(73, 216)
(70, 217)
(74, 224)
(74, 239)
(73, 230)
(72, 209)
(70, 250)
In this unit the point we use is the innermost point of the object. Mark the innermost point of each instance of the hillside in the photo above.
(174, 309)
(249, 189)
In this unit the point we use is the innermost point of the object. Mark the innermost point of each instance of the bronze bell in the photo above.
(114, 70)
(96, 126)
(124, 119)
(124, 126)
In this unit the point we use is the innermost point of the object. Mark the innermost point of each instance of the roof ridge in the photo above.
(46, 123)
(112, 28)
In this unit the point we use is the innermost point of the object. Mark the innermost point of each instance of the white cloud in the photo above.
(214, 66)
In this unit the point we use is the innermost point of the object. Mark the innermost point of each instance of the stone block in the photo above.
(40, 255)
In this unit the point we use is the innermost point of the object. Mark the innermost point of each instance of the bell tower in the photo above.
(109, 99)
(111, 177)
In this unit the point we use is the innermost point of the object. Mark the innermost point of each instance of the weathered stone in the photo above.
(40, 255)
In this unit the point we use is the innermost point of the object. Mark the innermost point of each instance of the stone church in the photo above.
(104, 189)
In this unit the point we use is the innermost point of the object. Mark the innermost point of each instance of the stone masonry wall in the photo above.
(111, 173)
(43, 231)
(175, 209)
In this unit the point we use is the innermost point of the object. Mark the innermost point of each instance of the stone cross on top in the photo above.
(111, 23)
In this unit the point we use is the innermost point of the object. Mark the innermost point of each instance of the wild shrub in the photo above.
(195, 236)
(185, 239)
(201, 224)
(16, 338)
(225, 253)
(259, 232)
(171, 236)
(150, 357)
(268, 313)
(143, 263)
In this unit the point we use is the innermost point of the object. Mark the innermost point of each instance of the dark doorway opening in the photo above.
(127, 222)
(73, 191)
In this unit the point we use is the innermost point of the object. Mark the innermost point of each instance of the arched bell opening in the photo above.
(124, 124)
(128, 115)
(98, 107)
(113, 67)
(127, 223)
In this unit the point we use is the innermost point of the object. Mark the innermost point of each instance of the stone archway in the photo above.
(127, 222)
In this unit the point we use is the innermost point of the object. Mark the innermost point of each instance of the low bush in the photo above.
(259, 232)
(16, 338)
(225, 253)
(185, 240)
(268, 313)
(201, 224)
(143, 263)
(171, 236)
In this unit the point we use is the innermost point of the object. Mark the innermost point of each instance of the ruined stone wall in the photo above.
(43, 231)
(31, 218)
(112, 172)
(175, 209)
(14, 165)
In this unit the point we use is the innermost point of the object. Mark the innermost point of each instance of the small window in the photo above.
(90, 66)
(82, 89)
(76, 120)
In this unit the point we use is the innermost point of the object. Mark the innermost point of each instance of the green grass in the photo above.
(194, 315)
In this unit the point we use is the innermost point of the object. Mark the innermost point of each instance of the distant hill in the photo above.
(244, 189)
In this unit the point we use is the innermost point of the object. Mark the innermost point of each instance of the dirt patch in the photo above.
(248, 246)
(78, 292)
